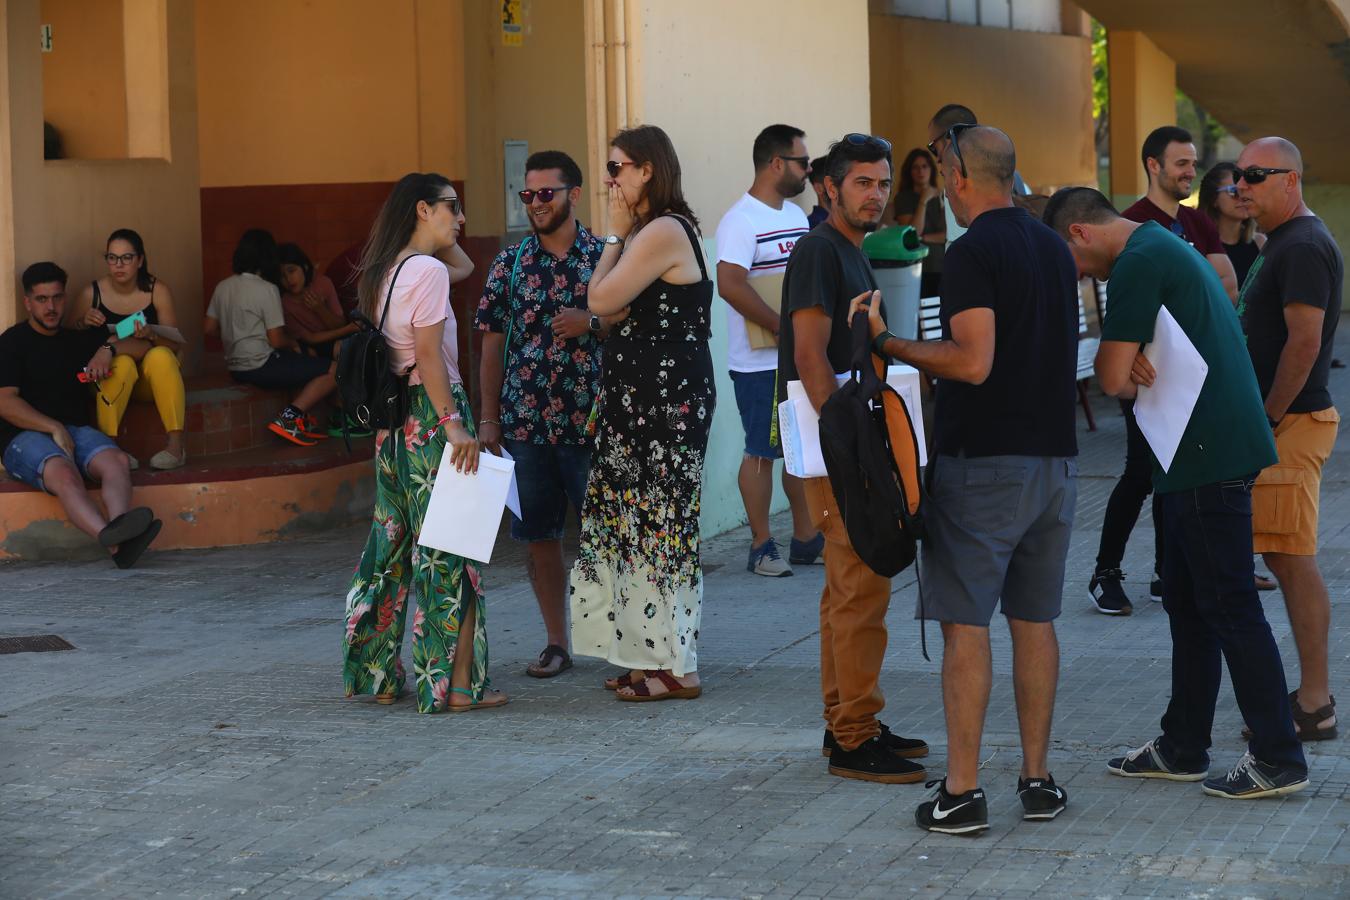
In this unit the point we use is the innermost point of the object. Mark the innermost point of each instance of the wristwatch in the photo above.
(612, 239)
(879, 342)
(595, 324)
(110, 347)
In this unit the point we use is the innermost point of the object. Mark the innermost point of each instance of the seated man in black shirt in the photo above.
(46, 437)
(1003, 479)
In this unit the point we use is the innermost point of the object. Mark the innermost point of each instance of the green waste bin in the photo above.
(897, 255)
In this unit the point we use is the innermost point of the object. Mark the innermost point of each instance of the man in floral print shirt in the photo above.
(540, 372)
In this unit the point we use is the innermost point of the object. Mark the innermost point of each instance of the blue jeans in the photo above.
(1209, 592)
(547, 477)
(27, 455)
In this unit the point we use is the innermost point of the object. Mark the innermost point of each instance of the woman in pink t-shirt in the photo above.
(421, 218)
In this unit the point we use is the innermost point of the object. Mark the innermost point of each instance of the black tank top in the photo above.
(1242, 256)
(151, 315)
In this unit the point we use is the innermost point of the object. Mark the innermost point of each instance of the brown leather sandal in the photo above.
(674, 690)
(1305, 723)
(625, 680)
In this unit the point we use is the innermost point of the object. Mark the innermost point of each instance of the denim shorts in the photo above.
(754, 399)
(548, 476)
(284, 370)
(28, 453)
(998, 536)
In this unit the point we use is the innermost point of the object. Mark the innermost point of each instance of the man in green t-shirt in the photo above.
(1209, 588)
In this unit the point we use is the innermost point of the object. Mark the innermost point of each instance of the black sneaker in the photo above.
(1155, 587)
(873, 761)
(1251, 779)
(1041, 797)
(966, 813)
(807, 553)
(906, 748)
(1148, 762)
(1107, 594)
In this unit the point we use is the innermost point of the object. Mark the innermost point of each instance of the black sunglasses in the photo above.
(950, 135)
(858, 140)
(125, 259)
(456, 207)
(545, 195)
(614, 167)
(802, 161)
(1255, 174)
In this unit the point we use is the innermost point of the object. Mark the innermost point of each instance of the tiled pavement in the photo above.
(196, 745)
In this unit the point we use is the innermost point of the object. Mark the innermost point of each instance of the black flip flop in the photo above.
(130, 550)
(546, 657)
(126, 526)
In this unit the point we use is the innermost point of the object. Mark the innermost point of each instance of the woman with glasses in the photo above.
(146, 367)
(399, 272)
(1237, 228)
(918, 204)
(637, 586)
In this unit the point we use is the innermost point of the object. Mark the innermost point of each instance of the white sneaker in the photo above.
(765, 560)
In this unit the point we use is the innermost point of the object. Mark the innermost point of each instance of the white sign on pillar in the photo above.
(46, 39)
(513, 170)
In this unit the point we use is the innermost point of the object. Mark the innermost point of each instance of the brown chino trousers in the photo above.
(852, 627)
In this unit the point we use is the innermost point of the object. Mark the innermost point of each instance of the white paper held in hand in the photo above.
(465, 511)
(799, 425)
(1164, 409)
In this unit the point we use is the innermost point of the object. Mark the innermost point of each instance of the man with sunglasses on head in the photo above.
(540, 371)
(826, 271)
(1003, 472)
(1289, 306)
(1169, 158)
(754, 240)
(946, 117)
(47, 437)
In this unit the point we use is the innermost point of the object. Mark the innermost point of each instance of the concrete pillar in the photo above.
(1143, 97)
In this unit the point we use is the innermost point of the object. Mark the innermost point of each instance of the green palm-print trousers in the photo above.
(392, 562)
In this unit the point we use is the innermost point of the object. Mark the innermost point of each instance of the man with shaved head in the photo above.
(1003, 479)
(1204, 500)
(1290, 304)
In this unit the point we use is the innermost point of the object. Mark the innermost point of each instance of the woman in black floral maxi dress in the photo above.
(637, 585)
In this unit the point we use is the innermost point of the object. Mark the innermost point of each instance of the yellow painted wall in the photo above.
(64, 210)
(1036, 87)
(535, 93)
(305, 92)
(84, 85)
(1143, 97)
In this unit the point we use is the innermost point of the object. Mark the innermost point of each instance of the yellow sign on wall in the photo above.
(513, 24)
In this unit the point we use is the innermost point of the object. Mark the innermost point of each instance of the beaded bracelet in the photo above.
(431, 432)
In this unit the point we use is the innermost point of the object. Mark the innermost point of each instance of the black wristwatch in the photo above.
(595, 324)
(879, 342)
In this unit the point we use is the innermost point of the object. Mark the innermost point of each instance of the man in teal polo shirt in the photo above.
(1209, 588)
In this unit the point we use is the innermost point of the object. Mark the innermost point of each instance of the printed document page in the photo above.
(799, 425)
(465, 512)
(1164, 409)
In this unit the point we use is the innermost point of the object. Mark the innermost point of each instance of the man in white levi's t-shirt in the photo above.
(754, 240)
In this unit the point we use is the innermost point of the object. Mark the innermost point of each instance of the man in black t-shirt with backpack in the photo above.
(1003, 470)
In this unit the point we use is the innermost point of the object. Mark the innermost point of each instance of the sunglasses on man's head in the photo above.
(858, 139)
(614, 167)
(1256, 174)
(545, 195)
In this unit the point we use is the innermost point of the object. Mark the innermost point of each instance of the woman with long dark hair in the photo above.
(146, 367)
(1237, 228)
(918, 203)
(637, 586)
(399, 269)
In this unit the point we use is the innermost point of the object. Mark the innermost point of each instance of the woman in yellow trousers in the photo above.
(148, 369)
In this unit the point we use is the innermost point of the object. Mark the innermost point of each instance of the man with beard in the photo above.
(1003, 474)
(1169, 162)
(46, 436)
(540, 371)
(754, 240)
(826, 272)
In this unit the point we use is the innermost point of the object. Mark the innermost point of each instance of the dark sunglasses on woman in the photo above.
(456, 207)
(614, 167)
(545, 195)
(1256, 174)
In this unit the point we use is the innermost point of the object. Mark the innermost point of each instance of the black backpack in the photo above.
(872, 456)
(369, 392)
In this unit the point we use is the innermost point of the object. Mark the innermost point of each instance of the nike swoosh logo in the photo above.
(939, 813)
(1054, 790)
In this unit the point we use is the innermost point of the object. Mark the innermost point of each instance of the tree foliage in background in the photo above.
(1101, 89)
